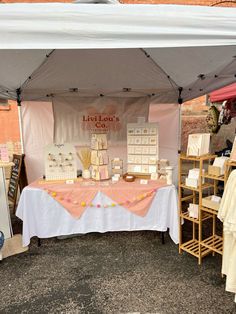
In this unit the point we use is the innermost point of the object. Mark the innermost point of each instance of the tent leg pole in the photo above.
(20, 119)
(21, 129)
(180, 129)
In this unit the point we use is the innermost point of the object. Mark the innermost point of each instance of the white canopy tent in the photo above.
(174, 53)
(166, 52)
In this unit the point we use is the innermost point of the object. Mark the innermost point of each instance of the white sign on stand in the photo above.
(5, 222)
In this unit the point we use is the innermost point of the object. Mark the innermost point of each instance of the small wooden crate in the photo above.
(214, 171)
(207, 202)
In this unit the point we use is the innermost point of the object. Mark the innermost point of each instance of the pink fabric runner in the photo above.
(76, 197)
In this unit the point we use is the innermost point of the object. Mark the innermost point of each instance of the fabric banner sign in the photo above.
(77, 117)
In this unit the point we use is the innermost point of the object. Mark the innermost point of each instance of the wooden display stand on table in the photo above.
(197, 246)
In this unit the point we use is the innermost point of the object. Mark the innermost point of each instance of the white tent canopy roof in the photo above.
(95, 49)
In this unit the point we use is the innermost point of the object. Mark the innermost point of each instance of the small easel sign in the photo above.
(18, 178)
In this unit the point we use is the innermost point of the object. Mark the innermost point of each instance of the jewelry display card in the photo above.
(142, 148)
(99, 157)
(100, 172)
(99, 141)
(60, 162)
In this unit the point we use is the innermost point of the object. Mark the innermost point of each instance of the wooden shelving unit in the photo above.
(198, 246)
(215, 242)
(229, 166)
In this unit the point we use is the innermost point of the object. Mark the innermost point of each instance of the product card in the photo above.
(216, 199)
(143, 181)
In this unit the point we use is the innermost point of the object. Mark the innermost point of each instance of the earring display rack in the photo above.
(60, 162)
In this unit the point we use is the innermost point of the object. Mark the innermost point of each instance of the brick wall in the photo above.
(9, 126)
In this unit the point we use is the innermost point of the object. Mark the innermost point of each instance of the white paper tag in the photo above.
(115, 179)
(69, 181)
(143, 181)
(154, 176)
(216, 199)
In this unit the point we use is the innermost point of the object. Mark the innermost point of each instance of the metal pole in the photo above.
(180, 129)
(18, 92)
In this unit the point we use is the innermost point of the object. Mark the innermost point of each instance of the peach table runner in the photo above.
(76, 197)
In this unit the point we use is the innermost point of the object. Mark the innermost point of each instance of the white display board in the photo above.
(60, 162)
(5, 222)
(142, 148)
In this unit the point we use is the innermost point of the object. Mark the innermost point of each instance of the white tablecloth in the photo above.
(44, 217)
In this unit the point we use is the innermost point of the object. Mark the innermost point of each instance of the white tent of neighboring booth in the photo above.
(167, 53)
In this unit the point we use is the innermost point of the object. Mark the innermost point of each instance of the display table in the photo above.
(44, 217)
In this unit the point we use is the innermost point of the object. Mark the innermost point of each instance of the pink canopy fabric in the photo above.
(225, 93)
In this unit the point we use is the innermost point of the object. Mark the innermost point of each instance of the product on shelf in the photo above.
(100, 172)
(193, 210)
(84, 155)
(99, 157)
(193, 178)
(198, 144)
(212, 201)
(117, 166)
(99, 141)
(218, 167)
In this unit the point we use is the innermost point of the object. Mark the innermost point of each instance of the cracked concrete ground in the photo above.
(125, 272)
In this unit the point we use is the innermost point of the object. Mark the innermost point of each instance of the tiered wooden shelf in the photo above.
(197, 246)
(205, 216)
(204, 186)
(213, 243)
(192, 247)
(229, 165)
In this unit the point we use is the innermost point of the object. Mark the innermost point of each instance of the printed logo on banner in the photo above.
(104, 121)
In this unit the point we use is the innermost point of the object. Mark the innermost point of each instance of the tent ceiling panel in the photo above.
(16, 66)
(159, 71)
(185, 64)
(109, 70)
